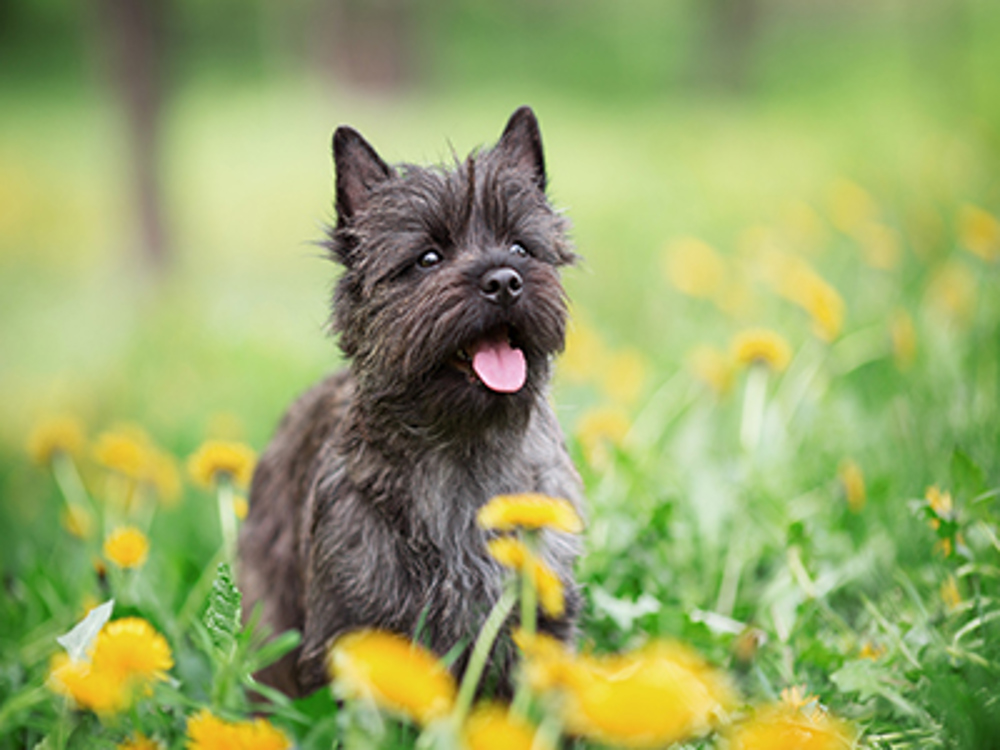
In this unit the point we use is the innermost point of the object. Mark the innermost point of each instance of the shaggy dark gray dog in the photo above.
(449, 310)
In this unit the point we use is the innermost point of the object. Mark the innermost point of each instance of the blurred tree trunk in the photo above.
(135, 33)
(733, 27)
(367, 44)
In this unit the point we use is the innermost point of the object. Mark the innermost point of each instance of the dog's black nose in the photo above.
(501, 285)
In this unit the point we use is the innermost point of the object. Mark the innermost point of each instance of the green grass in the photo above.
(684, 519)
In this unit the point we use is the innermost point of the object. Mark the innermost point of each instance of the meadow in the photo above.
(782, 389)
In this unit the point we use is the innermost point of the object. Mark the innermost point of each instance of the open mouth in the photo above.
(495, 361)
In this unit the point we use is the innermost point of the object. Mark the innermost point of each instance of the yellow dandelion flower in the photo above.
(850, 206)
(949, 594)
(125, 450)
(661, 694)
(132, 650)
(904, 339)
(55, 435)
(206, 731)
(584, 355)
(693, 267)
(529, 510)
(140, 742)
(126, 547)
(853, 481)
(979, 232)
(240, 507)
(871, 651)
(762, 346)
(493, 727)
(880, 246)
(513, 553)
(713, 368)
(782, 728)
(951, 292)
(77, 520)
(624, 376)
(216, 459)
(598, 430)
(88, 688)
(397, 675)
(260, 734)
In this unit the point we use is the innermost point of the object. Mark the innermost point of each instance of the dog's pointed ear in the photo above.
(521, 144)
(359, 169)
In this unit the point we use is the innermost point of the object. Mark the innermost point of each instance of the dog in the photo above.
(449, 311)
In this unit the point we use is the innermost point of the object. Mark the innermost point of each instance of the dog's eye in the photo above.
(429, 259)
(518, 250)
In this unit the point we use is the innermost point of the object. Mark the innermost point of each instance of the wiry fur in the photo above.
(362, 510)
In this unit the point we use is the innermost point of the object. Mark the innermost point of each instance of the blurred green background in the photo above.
(165, 173)
(164, 166)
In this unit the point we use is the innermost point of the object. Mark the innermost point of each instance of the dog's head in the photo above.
(450, 306)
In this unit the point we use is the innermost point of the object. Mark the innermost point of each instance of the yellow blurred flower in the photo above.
(824, 305)
(127, 657)
(206, 731)
(660, 694)
(693, 267)
(713, 367)
(624, 376)
(125, 450)
(762, 346)
(949, 594)
(513, 553)
(55, 435)
(904, 339)
(217, 459)
(850, 206)
(77, 520)
(880, 246)
(585, 354)
(599, 429)
(798, 282)
(871, 651)
(240, 507)
(140, 742)
(529, 510)
(126, 547)
(853, 481)
(397, 675)
(951, 292)
(493, 727)
(784, 728)
(979, 232)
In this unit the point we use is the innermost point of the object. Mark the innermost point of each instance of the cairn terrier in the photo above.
(449, 311)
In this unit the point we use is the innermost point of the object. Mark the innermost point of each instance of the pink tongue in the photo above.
(500, 366)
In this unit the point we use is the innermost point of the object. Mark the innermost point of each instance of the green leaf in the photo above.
(223, 616)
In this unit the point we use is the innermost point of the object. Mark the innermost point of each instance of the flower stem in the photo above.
(481, 651)
(68, 479)
(227, 518)
(754, 400)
